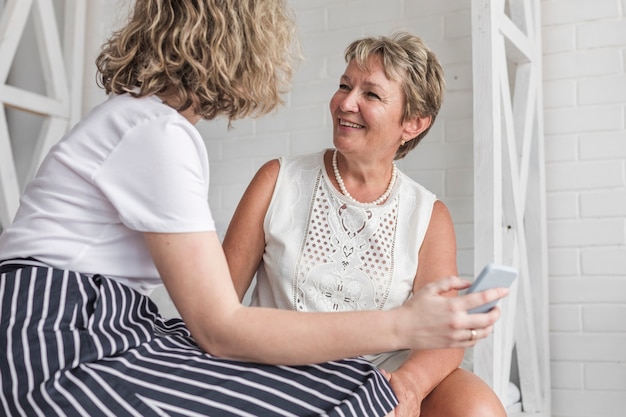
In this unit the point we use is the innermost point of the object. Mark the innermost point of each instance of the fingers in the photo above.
(481, 320)
(470, 337)
(474, 300)
(446, 321)
(472, 334)
(468, 301)
(447, 284)
(476, 327)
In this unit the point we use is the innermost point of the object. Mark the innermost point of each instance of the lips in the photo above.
(350, 124)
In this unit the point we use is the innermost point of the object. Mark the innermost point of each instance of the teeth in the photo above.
(349, 124)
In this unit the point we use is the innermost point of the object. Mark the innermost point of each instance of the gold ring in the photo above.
(472, 334)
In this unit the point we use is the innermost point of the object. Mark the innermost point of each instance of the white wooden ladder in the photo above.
(509, 190)
(61, 58)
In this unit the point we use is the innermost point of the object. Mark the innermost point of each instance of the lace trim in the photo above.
(346, 255)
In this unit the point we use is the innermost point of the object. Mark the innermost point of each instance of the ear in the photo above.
(413, 127)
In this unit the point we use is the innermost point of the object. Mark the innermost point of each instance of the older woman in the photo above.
(345, 230)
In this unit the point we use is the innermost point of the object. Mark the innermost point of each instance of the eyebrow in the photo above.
(369, 84)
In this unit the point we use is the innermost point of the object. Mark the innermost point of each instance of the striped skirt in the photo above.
(72, 345)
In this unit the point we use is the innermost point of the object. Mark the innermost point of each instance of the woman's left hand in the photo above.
(407, 391)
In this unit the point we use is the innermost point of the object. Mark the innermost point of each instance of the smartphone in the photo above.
(492, 276)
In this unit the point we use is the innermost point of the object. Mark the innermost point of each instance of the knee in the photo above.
(486, 405)
(463, 394)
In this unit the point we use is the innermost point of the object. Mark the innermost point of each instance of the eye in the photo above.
(344, 87)
(373, 96)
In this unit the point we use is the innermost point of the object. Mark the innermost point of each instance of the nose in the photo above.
(349, 102)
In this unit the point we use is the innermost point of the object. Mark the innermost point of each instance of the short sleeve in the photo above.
(157, 178)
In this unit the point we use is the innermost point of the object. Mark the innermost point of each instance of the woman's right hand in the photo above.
(432, 320)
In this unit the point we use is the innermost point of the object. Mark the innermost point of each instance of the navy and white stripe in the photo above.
(72, 345)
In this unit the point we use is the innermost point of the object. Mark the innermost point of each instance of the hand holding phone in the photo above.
(492, 276)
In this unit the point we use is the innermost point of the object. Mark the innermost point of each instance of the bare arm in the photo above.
(244, 242)
(195, 273)
(425, 369)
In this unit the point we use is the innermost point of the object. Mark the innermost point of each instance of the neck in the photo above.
(390, 179)
(190, 115)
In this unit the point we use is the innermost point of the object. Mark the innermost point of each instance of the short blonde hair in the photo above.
(407, 59)
(226, 57)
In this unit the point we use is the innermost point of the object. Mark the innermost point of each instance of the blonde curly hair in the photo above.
(223, 57)
(407, 59)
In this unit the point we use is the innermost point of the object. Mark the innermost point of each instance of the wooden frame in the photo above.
(509, 217)
(61, 57)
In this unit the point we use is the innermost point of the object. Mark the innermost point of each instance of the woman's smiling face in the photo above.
(367, 111)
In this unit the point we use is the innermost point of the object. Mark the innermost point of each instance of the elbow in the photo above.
(220, 338)
(218, 350)
(220, 346)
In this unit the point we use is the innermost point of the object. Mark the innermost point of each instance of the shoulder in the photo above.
(440, 213)
(123, 116)
(304, 160)
(134, 109)
(289, 166)
(413, 189)
(303, 165)
(148, 111)
(284, 165)
(268, 171)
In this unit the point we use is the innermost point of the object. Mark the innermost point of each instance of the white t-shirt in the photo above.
(131, 166)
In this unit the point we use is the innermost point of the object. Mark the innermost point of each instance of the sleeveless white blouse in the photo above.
(324, 253)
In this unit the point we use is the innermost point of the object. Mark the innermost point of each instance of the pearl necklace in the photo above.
(345, 192)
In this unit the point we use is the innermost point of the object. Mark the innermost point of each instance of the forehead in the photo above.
(371, 72)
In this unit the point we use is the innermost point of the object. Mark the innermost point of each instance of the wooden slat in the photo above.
(50, 51)
(32, 102)
(9, 187)
(536, 227)
(525, 328)
(508, 225)
(524, 117)
(12, 24)
(61, 63)
(535, 381)
(487, 154)
(522, 48)
(75, 20)
(510, 192)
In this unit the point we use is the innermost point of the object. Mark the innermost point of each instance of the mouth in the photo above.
(346, 123)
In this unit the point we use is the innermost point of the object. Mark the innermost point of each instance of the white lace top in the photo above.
(325, 254)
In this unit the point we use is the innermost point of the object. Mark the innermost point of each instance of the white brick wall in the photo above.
(585, 122)
(585, 95)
